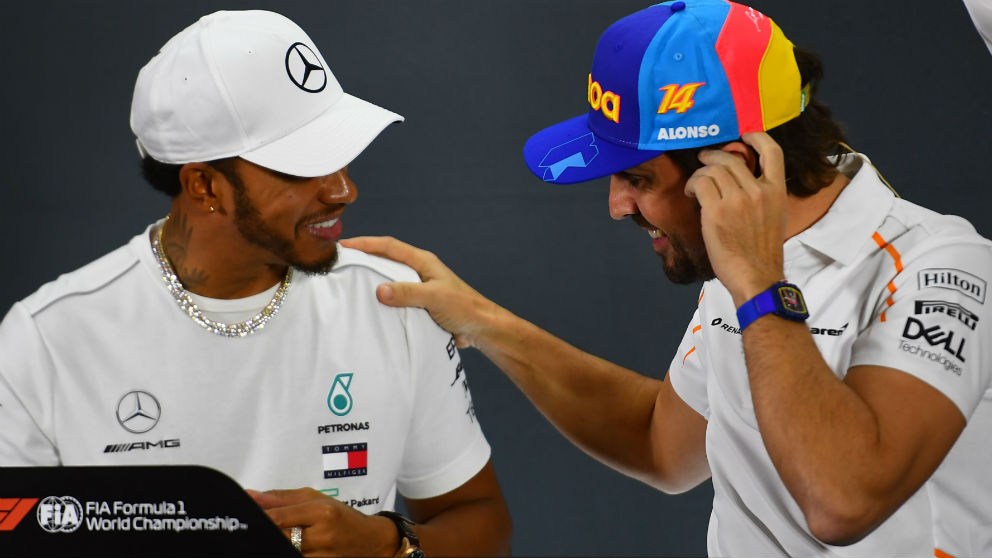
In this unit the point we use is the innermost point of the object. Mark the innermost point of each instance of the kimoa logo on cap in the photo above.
(304, 68)
(606, 102)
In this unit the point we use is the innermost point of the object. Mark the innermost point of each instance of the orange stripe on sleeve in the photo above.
(692, 350)
(941, 554)
(890, 249)
(697, 328)
(896, 259)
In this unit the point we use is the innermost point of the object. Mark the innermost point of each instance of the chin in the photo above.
(316, 267)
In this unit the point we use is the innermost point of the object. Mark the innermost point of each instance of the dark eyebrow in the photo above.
(627, 175)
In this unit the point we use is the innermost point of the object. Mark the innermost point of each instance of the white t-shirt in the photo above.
(338, 392)
(887, 283)
(981, 14)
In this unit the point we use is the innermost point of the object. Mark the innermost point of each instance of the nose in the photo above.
(622, 203)
(337, 188)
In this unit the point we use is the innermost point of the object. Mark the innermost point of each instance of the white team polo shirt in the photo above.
(338, 392)
(887, 283)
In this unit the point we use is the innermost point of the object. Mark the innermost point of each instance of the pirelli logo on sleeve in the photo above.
(950, 309)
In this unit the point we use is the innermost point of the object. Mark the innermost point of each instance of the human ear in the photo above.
(745, 152)
(200, 184)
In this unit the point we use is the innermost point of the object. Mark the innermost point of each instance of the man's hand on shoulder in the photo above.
(454, 305)
(330, 528)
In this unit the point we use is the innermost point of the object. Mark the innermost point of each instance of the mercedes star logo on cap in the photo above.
(138, 411)
(303, 67)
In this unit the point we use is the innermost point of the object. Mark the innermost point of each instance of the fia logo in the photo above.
(339, 399)
(60, 514)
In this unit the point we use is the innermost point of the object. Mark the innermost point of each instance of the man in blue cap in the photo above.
(835, 356)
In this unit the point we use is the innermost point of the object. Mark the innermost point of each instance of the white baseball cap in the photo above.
(250, 84)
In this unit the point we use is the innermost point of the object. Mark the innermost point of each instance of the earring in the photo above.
(212, 209)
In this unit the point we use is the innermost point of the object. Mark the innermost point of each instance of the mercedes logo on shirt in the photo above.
(138, 411)
(304, 68)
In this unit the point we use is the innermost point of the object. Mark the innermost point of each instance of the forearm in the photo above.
(474, 528)
(830, 447)
(565, 383)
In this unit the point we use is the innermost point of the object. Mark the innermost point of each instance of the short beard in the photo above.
(689, 264)
(254, 230)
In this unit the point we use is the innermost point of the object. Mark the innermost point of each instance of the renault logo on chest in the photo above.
(304, 68)
(138, 411)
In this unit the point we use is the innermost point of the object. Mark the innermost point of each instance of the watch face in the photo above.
(792, 299)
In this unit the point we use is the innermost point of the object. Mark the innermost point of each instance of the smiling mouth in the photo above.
(324, 224)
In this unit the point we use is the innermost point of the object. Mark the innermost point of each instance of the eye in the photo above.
(638, 182)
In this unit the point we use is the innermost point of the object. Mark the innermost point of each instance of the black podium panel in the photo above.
(131, 511)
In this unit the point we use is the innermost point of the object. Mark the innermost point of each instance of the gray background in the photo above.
(910, 80)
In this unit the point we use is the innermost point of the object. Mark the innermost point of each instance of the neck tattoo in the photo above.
(186, 304)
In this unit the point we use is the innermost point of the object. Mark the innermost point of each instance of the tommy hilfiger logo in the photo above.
(346, 460)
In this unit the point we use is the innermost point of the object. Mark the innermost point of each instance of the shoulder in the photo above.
(88, 279)
(356, 261)
(921, 232)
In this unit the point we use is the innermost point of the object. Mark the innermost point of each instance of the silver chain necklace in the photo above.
(186, 304)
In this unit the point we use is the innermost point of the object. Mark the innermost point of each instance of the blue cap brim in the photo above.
(570, 152)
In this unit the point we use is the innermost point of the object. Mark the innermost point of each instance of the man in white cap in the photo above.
(235, 333)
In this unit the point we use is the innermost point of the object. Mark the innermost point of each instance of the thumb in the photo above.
(401, 294)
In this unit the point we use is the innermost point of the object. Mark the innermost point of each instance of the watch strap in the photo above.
(763, 303)
(409, 542)
(770, 301)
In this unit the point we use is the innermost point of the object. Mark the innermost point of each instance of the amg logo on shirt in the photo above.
(346, 460)
(118, 448)
(952, 309)
(935, 336)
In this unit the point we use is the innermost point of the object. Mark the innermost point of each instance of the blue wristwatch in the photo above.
(782, 299)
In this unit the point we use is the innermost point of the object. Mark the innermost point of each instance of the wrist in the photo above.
(408, 541)
(747, 290)
(493, 323)
(388, 537)
(783, 299)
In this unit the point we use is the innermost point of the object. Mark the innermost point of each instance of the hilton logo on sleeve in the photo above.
(955, 280)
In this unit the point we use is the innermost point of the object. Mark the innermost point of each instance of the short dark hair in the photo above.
(807, 140)
(164, 177)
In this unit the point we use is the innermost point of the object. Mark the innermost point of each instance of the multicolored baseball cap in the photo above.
(676, 75)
